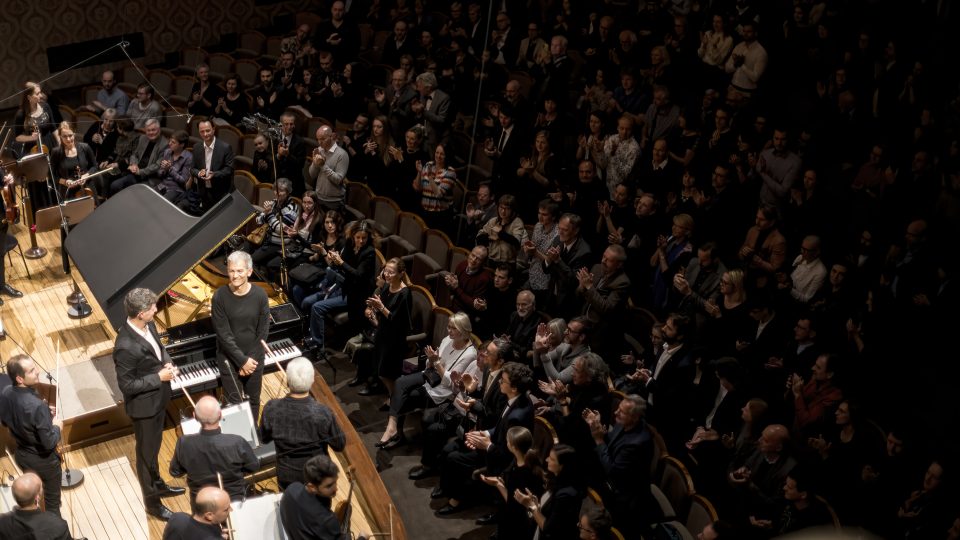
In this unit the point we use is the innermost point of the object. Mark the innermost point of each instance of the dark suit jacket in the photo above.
(221, 165)
(671, 391)
(563, 275)
(625, 457)
(438, 118)
(28, 524)
(291, 165)
(492, 401)
(144, 394)
(149, 165)
(519, 414)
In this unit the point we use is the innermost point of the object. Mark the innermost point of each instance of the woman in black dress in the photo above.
(389, 310)
(557, 511)
(524, 474)
(71, 161)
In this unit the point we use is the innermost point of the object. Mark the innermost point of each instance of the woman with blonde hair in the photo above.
(438, 382)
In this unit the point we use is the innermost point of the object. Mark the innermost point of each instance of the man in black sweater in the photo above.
(305, 507)
(301, 427)
(241, 317)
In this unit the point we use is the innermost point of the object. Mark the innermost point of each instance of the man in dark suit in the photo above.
(625, 452)
(490, 445)
(144, 371)
(291, 154)
(437, 111)
(505, 149)
(668, 384)
(604, 291)
(397, 45)
(394, 101)
(568, 254)
(212, 167)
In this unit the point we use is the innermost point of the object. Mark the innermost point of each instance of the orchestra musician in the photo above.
(305, 509)
(72, 161)
(210, 512)
(301, 426)
(144, 371)
(28, 520)
(241, 316)
(5, 288)
(31, 422)
(205, 455)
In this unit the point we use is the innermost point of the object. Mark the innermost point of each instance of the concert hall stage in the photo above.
(108, 504)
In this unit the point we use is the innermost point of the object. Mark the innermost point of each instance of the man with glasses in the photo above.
(145, 160)
(108, 97)
(558, 363)
(808, 273)
(531, 47)
(291, 153)
(145, 107)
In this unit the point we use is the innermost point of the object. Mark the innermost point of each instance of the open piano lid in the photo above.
(139, 239)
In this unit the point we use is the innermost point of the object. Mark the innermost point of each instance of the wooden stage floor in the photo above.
(108, 504)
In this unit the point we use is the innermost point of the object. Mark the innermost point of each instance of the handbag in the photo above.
(257, 236)
(432, 376)
(307, 273)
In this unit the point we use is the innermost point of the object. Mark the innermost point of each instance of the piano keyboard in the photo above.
(205, 371)
(281, 351)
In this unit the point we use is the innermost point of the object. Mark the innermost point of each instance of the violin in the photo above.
(12, 214)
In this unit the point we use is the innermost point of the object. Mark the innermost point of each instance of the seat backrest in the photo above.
(831, 511)
(420, 267)
(189, 58)
(130, 74)
(248, 71)
(359, 197)
(458, 193)
(247, 146)
(385, 213)
(68, 114)
(265, 192)
(659, 451)
(677, 484)
(84, 120)
(544, 437)
(441, 316)
(251, 42)
(273, 47)
(162, 81)
(230, 135)
(410, 227)
(701, 513)
(221, 64)
(182, 86)
(421, 310)
(457, 256)
(89, 94)
(246, 184)
(437, 246)
(666, 509)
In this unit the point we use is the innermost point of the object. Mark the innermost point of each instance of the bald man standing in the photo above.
(27, 520)
(203, 455)
(210, 512)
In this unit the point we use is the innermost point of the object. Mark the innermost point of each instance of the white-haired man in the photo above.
(300, 426)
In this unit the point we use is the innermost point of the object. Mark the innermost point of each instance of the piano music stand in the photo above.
(33, 168)
(71, 212)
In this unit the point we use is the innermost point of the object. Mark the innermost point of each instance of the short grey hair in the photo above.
(594, 365)
(151, 121)
(638, 405)
(241, 257)
(285, 184)
(428, 79)
(137, 301)
(300, 375)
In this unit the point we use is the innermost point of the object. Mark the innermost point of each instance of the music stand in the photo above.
(32, 168)
(71, 212)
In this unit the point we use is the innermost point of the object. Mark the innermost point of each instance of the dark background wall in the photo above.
(28, 28)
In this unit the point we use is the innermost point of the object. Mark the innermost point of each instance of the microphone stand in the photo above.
(79, 308)
(70, 477)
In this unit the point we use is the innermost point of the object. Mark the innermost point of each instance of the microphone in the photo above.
(124, 44)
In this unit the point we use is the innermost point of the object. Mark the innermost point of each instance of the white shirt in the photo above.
(208, 154)
(147, 335)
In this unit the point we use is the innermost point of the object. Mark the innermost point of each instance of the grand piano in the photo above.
(138, 239)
